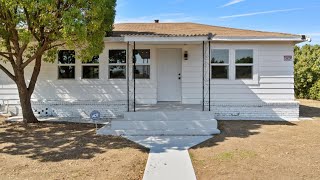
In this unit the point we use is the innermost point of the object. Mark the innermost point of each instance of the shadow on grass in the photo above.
(48, 142)
(239, 129)
(309, 111)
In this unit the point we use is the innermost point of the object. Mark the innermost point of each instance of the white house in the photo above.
(237, 74)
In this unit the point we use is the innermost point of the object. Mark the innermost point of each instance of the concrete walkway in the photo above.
(169, 158)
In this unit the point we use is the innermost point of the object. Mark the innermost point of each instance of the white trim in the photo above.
(254, 39)
(165, 39)
(154, 38)
(117, 64)
(65, 65)
(147, 64)
(221, 64)
(232, 65)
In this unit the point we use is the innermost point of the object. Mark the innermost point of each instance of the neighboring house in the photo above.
(241, 74)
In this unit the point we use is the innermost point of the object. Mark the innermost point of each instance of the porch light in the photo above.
(185, 55)
(210, 36)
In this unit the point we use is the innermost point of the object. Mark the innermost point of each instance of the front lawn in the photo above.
(66, 151)
(263, 150)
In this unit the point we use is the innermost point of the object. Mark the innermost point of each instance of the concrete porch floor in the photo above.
(168, 106)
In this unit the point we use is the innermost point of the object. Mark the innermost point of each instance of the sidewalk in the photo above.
(169, 158)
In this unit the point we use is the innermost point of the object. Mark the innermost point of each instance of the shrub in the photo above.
(314, 92)
(306, 70)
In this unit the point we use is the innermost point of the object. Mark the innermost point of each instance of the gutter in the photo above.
(209, 37)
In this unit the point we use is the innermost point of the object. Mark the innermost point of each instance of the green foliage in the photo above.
(307, 72)
(80, 25)
(314, 92)
(244, 60)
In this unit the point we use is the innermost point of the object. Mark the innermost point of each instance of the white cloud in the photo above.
(232, 3)
(258, 13)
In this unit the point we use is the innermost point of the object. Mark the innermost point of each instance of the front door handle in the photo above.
(179, 76)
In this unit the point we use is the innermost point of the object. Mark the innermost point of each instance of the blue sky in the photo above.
(291, 16)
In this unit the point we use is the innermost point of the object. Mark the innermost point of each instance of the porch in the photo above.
(164, 119)
(168, 106)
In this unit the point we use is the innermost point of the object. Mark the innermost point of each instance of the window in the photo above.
(117, 64)
(220, 64)
(66, 64)
(244, 64)
(142, 70)
(90, 69)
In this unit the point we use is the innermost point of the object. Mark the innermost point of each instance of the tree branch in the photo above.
(9, 49)
(3, 54)
(35, 55)
(35, 74)
(7, 72)
(30, 27)
(56, 45)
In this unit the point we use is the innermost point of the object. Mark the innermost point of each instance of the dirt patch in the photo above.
(66, 151)
(262, 150)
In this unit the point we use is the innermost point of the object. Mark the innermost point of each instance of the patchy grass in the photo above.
(262, 150)
(236, 154)
(66, 151)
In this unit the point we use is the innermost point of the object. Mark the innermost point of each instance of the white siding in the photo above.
(273, 79)
(49, 87)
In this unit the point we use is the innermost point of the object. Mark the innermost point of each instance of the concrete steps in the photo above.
(168, 116)
(179, 123)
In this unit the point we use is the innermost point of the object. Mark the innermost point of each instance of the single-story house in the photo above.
(235, 73)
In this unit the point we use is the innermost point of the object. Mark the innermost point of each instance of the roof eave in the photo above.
(193, 38)
(258, 39)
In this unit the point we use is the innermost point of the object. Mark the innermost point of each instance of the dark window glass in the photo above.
(117, 72)
(219, 72)
(244, 72)
(117, 56)
(142, 72)
(66, 72)
(94, 60)
(90, 72)
(66, 57)
(244, 56)
(142, 56)
(220, 56)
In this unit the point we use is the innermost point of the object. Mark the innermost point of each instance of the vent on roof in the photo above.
(156, 21)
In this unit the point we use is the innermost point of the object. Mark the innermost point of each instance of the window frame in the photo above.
(117, 64)
(66, 65)
(83, 64)
(138, 64)
(232, 69)
(244, 64)
(220, 64)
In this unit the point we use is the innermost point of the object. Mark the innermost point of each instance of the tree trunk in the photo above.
(25, 102)
(25, 92)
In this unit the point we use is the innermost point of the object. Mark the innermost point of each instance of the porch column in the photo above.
(128, 78)
(209, 75)
(134, 76)
(203, 74)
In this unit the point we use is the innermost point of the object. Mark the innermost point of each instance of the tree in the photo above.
(32, 30)
(307, 71)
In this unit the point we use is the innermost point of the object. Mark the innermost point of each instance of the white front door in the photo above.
(169, 74)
